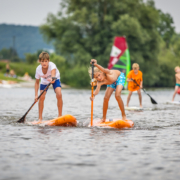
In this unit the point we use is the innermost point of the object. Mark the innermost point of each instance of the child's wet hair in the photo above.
(135, 66)
(176, 68)
(90, 74)
(95, 71)
(43, 56)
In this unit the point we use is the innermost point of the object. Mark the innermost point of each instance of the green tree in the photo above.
(87, 30)
(165, 27)
(31, 58)
(10, 54)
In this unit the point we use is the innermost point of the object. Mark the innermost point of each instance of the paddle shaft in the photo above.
(92, 89)
(152, 100)
(37, 98)
(23, 118)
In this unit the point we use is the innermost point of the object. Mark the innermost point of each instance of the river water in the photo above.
(149, 150)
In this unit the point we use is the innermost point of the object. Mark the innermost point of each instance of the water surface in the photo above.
(149, 150)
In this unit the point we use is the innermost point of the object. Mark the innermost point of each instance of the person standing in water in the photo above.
(46, 71)
(7, 69)
(114, 79)
(135, 75)
(177, 76)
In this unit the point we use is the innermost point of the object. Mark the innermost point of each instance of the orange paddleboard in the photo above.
(116, 123)
(66, 120)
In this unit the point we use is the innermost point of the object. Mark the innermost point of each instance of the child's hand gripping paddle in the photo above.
(92, 89)
(152, 100)
(22, 120)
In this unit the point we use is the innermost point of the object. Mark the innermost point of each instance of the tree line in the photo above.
(86, 30)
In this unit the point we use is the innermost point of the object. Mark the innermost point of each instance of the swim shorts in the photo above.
(56, 84)
(120, 81)
(177, 84)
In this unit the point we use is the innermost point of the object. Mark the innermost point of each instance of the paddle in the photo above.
(92, 89)
(22, 120)
(152, 100)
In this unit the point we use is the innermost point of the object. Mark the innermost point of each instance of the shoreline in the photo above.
(27, 84)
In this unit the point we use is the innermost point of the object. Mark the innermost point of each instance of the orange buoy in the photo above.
(116, 123)
(66, 120)
(178, 91)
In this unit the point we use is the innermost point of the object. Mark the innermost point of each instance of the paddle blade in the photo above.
(153, 101)
(22, 120)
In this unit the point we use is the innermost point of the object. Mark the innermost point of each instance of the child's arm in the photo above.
(177, 76)
(128, 80)
(141, 84)
(53, 74)
(99, 84)
(106, 71)
(36, 89)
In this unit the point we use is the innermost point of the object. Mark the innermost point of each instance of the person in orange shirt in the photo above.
(135, 75)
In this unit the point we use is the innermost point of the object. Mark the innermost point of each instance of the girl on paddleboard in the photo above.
(114, 79)
(47, 71)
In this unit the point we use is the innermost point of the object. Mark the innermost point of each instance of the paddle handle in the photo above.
(92, 90)
(138, 85)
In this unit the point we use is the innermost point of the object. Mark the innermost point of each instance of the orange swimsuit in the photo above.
(132, 86)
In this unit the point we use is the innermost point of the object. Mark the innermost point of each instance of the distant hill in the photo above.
(27, 39)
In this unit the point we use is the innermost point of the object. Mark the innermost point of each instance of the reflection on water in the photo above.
(150, 150)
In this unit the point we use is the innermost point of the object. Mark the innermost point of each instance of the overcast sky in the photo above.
(34, 12)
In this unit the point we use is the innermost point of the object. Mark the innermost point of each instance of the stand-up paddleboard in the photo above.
(173, 102)
(66, 120)
(133, 108)
(115, 123)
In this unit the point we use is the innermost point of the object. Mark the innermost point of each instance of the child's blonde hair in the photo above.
(43, 56)
(135, 66)
(90, 74)
(176, 68)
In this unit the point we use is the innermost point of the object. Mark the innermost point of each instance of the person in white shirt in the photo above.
(46, 71)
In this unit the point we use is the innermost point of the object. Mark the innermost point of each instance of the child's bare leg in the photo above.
(107, 96)
(140, 97)
(175, 91)
(128, 98)
(119, 100)
(59, 100)
(41, 105)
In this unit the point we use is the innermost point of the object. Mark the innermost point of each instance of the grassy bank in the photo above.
(2, 77)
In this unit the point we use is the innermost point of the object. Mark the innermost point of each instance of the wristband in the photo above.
(54, 78)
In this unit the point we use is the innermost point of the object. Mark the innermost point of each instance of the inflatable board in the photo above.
(173, 102)
(115, 123)
(66, 120)
(133, 108)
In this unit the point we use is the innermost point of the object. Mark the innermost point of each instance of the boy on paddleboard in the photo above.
(134, 78)
(177, 76)
(46, 71)
(114, 80)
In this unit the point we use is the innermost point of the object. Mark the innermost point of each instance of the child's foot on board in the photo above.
(124, 118)
(141, 106)
(103, 120)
